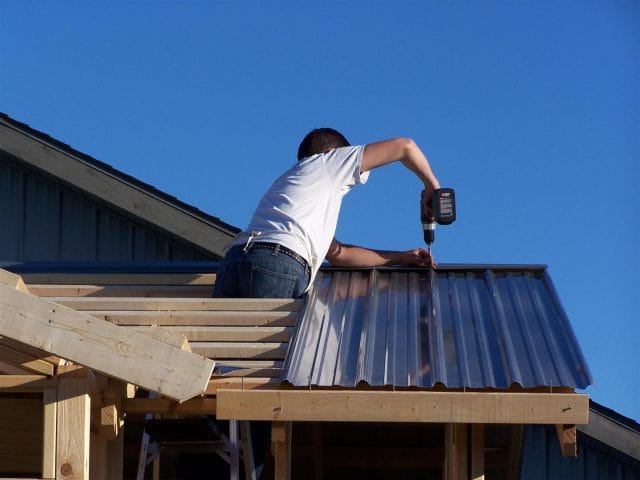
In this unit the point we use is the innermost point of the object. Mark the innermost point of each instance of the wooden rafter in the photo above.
(99, 345)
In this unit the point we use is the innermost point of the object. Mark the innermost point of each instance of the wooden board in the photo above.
(236, 350)
(155, 291)
(12, 280)
(104, 347)
(73, 429)
(119, 278)
(405, 406)
(227, 333)
(195, 406)
(179, 304)
(25, 362)
(197, 318)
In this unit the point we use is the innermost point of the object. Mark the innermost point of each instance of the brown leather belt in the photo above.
(280, 248)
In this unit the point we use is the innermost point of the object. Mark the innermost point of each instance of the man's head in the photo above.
(321, 140)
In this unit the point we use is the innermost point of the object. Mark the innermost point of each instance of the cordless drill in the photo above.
(441, 208)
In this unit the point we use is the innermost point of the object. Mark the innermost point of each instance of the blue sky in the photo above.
(530, 110)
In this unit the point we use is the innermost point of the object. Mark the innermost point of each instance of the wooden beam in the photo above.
(281, 449)
(242, 383)
(168, 336)
(567, 439)
(229, 333)
(12, 280)
(116, 352)
(195, 406)
(24, 361)
(111, 415)
(196, 318)
(236, 350)
(405, 406)
(32, 351)
(107, 280)
(157, 291)
(26, 383)
(181, 304)
(73, 428)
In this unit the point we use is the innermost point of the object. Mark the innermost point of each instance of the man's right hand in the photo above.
(426, 204)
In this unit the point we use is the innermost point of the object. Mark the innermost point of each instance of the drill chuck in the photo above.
(429, 229)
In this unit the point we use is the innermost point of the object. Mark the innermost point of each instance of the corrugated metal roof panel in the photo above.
(474, 328)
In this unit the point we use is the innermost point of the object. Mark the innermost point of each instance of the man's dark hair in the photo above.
(321, 140)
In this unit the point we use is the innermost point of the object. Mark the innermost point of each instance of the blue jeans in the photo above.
(260, 273)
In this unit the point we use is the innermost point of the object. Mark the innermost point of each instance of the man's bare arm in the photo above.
(404, 150)
(343, 255)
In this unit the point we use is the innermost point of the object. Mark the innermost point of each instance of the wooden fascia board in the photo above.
(403, 406)
(101, 346)
(113, 190)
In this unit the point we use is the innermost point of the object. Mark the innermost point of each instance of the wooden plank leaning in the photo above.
(99, 345)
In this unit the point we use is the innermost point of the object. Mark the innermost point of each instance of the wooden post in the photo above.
(73, 426)
(514, 448)
(98, 461)
(477, 451)
(318, 453)
(281, 446)
(50, 398)
(456, 453)
(115, 457)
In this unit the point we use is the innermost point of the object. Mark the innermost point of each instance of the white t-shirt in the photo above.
(300, 210)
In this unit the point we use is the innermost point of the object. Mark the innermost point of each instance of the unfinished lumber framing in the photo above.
(12, 280)
(73, 427)
(25, 362)
(194, 406)
(50, 400)
(514, 448)
(119, 353)
(243, 305)
(456, 454)
(568, 440)
(281, 449)
(405, 406)
(477, 452)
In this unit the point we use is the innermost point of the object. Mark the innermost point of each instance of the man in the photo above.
(292, 230)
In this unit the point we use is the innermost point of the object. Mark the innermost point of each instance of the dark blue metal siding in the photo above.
(542, 459)
(474, 328)
(40, 219)
(11, 210)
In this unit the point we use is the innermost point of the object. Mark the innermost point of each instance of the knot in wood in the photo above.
(66, 469)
